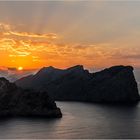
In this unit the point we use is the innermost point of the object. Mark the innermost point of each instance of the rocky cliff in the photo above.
(15, 101)
(115, 84)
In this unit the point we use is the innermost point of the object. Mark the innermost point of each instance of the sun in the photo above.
(20, 68)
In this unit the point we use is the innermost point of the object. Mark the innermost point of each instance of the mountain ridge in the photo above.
(114, 84)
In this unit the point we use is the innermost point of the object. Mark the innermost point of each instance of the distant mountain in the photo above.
(13, 75)
(48, 75)
(15, 101)
(115, 84)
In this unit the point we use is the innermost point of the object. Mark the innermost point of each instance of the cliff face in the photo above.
(15, 101)
(115, 84)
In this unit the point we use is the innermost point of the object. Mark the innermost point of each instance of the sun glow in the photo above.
(20, 68)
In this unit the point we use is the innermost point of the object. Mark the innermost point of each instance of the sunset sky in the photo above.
(62, 34)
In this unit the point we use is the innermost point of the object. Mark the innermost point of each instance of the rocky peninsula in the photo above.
(114, 84)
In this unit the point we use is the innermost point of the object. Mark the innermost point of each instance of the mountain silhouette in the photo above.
(115, 84)
(15, 101)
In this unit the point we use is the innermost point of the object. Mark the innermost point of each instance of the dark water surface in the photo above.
(80, 120)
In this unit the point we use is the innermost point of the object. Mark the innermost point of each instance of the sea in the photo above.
(79, 121)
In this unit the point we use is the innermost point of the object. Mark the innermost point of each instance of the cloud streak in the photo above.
(8, 30)
(33, 35)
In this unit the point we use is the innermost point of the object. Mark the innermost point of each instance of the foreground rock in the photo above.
(17, 102)
(115, 84)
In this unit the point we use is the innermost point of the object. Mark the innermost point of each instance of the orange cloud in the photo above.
(37, 50)
(33, 35)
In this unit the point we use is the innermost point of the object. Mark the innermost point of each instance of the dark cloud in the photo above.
(12, 68)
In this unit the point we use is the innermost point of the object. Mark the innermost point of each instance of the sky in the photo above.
(95, 34)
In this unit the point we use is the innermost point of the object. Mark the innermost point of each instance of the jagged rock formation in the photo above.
(115, 84)
(15, 101)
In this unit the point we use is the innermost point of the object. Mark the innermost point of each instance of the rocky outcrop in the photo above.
(15, 101)
(115, 84)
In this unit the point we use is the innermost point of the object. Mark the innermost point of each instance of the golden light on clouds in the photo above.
(91, 33)
(35, 50)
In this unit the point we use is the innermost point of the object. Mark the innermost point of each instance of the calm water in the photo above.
(80, 120)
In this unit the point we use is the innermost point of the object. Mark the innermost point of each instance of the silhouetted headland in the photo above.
(15, 101)
(112, 85)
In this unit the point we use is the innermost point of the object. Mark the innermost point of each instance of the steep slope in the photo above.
(15, 101)
(115, 84)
